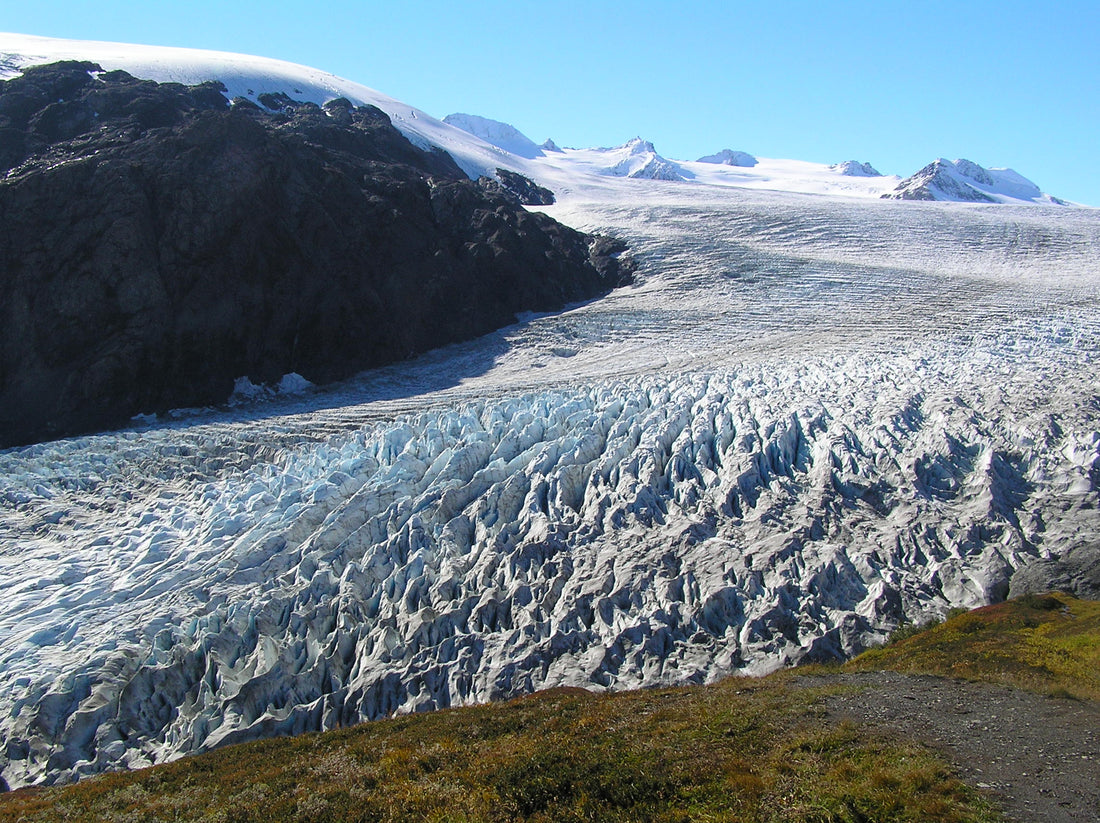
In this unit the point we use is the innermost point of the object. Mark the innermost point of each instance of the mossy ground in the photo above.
(739, 750)
(1048, 644)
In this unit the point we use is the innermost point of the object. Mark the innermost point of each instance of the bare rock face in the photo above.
(159, 243)
(940, 180)
(1077, 572)
(528, 191)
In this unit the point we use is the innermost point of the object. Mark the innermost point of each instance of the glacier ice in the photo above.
(808, 421)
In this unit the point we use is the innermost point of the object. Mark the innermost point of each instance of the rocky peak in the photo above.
(161, 243)
(729, 157)
(938, 181)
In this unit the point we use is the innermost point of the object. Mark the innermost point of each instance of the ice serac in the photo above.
(729, 157)
(160, 243)
(499, 134)
(653, 531)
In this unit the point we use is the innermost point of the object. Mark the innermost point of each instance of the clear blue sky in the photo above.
(898, 84)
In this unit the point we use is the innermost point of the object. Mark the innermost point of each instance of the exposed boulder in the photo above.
(1077, 572)
(160, 243)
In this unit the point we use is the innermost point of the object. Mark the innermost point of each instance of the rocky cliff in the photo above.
(157, 242)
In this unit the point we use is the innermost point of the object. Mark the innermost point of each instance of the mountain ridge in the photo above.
(248, 77)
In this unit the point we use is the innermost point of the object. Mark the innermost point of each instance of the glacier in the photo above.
(812, 421)
(814, 416)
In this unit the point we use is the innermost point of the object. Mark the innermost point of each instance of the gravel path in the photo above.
(1038, 756)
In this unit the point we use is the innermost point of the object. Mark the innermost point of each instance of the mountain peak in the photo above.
(729, 157)
(496, 133)
(636, 145)
(965, 181)
(853, 168)
(640, 160)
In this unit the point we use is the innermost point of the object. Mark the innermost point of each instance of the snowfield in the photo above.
(811, 419)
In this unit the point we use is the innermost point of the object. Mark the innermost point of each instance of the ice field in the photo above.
(811, 419)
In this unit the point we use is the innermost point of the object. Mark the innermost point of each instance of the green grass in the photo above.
(1048, 644)
(740, 750)
(752, 751)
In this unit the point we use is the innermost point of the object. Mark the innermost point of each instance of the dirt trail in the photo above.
(1038, 756)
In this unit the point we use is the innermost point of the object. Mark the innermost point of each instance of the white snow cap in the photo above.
(501, 135)
(249, 76)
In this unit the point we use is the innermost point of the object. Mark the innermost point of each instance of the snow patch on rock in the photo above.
(245, 391)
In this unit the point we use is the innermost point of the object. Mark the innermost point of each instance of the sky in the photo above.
(897, 84)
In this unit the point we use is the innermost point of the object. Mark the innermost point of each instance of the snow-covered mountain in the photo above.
(811, 418)
(966, 181)
(480, 146)
(853, 168)
(638, 159)
(250, 77)
(499, 134)
(729, 157)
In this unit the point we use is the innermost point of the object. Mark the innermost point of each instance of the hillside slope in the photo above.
(160, 244)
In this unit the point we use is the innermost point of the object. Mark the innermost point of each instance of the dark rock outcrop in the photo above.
(527, 191)
(1077, 572)
(156, 243)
